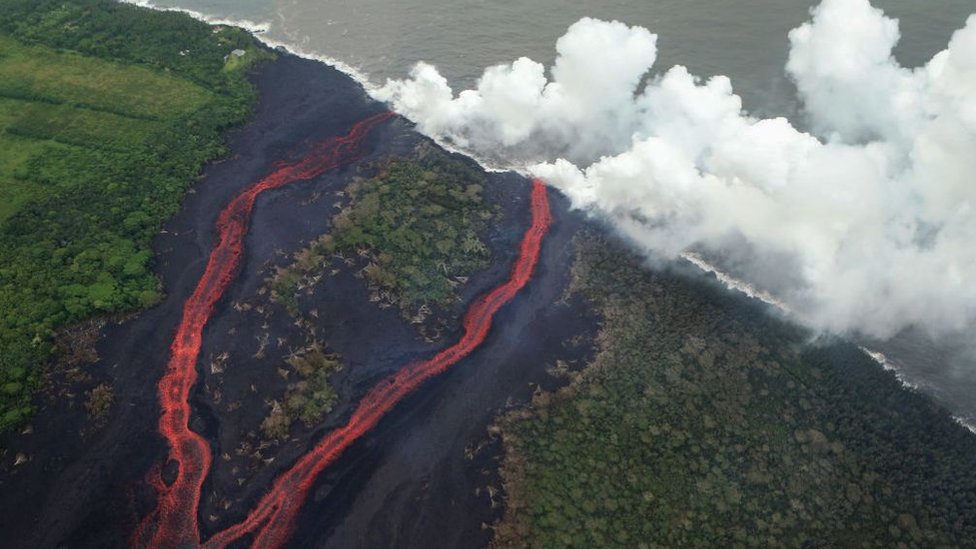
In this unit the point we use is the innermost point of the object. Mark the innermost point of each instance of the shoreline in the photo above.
(740, 286)
(259, 31)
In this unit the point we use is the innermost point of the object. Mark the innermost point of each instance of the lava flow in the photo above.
(174, 521)
(271, 522)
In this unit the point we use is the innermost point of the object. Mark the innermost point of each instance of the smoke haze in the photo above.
(864, 225)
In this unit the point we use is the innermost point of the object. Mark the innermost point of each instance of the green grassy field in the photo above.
(107, 114)
(86, 82)
(51, 100)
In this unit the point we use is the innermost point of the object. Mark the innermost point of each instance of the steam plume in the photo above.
(866, 225)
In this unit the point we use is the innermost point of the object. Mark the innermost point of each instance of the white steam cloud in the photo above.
(867, 226)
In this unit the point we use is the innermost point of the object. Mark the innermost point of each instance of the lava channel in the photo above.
(270, 523)
(174, 521)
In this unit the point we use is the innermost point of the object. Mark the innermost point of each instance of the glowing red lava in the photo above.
(174, 523)
(271, 521)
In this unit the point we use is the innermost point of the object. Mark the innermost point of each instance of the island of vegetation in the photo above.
(107, 114)
(414, 233)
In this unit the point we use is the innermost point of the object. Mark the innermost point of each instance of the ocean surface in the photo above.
(743, 39)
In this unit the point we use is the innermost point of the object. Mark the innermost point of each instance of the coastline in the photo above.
(907, 382)
(260, 29)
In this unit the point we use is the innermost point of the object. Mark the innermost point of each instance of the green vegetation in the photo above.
(107, 114)
(412, 232)
(415, 226)
(703, 423)
(310, 397)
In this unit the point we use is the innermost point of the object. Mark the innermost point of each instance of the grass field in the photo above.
(51, 100)
(97, 84)
(107, 114)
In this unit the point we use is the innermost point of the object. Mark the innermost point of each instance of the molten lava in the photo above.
(174, 523)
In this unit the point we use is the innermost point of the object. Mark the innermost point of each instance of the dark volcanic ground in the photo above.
(409, 483)
(415, 481)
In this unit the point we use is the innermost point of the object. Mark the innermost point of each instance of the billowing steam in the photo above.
(867, 226)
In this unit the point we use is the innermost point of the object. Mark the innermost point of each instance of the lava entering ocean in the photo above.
(174, 522)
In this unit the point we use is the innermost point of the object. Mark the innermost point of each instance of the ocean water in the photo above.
(743, 39)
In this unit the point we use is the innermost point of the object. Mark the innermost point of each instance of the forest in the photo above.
(704, 421)
(107, 114)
